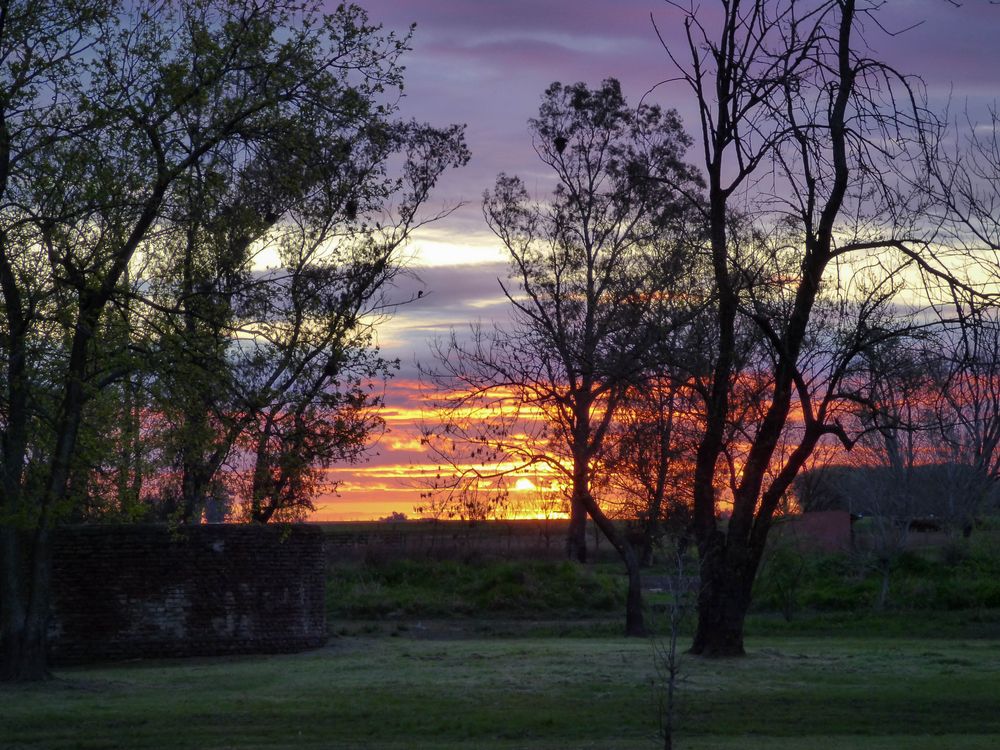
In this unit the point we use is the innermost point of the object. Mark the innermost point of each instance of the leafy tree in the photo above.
(269, 371)
(124, 130)
(44, 46)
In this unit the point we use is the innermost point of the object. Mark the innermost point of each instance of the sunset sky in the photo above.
(485, 63)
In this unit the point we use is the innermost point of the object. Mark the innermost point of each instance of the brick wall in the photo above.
(152, 591)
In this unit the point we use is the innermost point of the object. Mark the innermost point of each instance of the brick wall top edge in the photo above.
(214, 530)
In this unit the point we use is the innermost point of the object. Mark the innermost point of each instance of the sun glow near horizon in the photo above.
(452, 293)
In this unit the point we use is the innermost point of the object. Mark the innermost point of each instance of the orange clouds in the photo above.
(398, 468)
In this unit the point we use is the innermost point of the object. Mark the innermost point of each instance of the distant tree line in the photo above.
(927, 495)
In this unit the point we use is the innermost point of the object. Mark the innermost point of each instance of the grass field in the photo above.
(432, 692)
(526, 654)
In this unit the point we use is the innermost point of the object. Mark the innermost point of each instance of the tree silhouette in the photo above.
(587, 309)
(139, 135)
(824, 150)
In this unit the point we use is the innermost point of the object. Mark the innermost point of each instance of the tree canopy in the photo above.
(200, 205)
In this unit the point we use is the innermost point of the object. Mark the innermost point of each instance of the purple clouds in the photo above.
(486, 63)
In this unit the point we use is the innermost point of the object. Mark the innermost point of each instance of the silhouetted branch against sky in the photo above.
(487, 64)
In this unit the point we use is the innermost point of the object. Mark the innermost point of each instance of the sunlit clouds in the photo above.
(486, 65)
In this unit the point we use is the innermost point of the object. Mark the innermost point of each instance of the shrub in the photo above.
(524, 589)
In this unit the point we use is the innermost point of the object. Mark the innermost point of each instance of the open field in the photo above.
(413, 692)
(500, 654)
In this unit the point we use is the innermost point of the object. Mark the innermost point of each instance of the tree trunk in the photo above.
(24, 603)
(635, 623)
(25, 584)
(723, 601)
(263, 513)
(652, 530)
(648, 543)
(26, 581)
(196, 432)
(192, 492)
(885, 568)
(262, 490)
(22, 631)
(576, 535)
(22, 651)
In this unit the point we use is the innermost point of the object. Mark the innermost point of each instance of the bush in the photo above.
(524, 589)
(842, 595)
(957, 576)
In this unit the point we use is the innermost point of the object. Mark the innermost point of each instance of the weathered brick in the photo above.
(152, 591)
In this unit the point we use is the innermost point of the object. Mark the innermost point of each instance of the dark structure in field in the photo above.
(154, 591)
(926, 491)
(821, 530)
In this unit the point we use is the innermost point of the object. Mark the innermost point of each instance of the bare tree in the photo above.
(646, 470)
(589, 267)
(667, 655)
(964, 363)
(821, 147)
(891, 446)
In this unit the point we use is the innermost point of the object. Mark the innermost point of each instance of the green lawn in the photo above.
(417, 692)
(437, 654)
